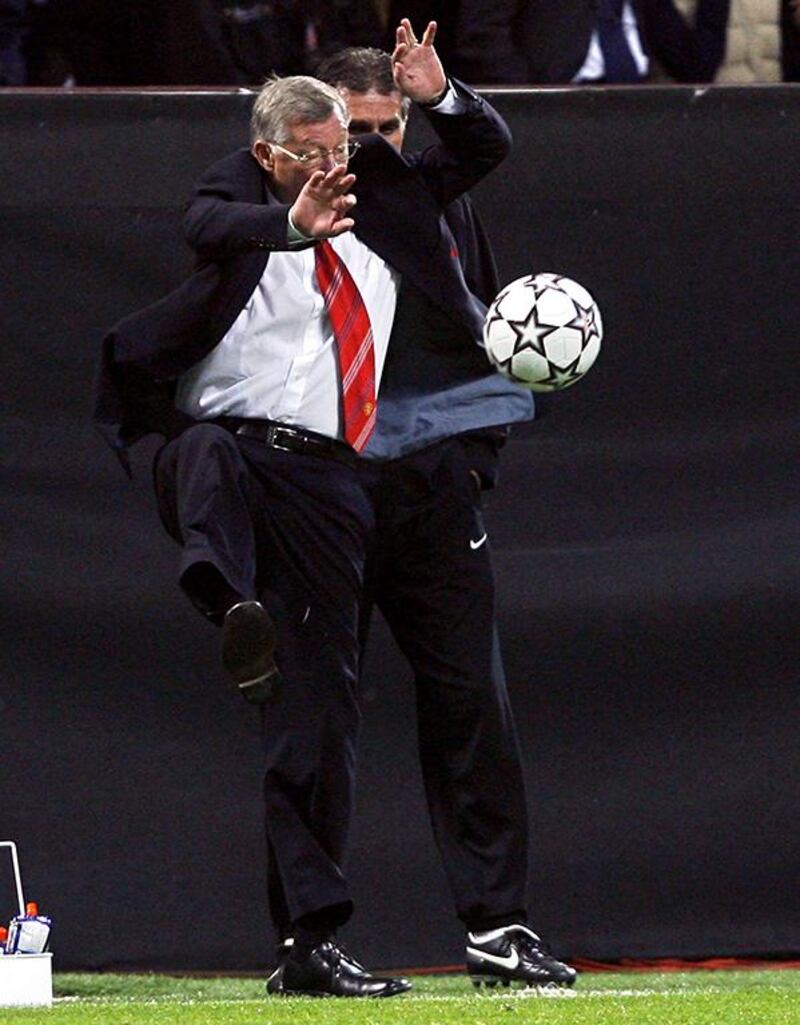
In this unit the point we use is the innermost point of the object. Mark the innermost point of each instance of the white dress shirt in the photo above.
(278, 361)
(594, 67)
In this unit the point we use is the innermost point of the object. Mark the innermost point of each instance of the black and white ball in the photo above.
(543, 331)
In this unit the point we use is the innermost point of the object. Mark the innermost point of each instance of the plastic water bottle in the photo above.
(28, 933)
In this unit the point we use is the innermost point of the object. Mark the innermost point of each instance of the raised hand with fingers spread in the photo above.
(323, 206)
(417, 69)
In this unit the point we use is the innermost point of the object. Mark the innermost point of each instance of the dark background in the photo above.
(645, 533)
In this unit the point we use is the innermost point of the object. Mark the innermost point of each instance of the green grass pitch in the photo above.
(685, 998)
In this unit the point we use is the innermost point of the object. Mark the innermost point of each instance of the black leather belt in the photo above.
(290, 439)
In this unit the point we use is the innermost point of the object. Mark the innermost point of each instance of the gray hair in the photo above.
(296, 99)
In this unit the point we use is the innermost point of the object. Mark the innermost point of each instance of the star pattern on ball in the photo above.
(494, 317)
(501, 364)
(541, 282)
(561, 377)
(543, 331)
(531, 334)
(494, 313)
(585, 320)
(532, 283)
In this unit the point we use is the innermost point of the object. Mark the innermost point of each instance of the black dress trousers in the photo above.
(303, 534)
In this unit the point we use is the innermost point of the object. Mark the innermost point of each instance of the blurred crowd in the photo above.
(240, 42)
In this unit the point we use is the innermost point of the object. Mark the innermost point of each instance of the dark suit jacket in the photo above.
(233, 222)
(546, 41)
(474, 249)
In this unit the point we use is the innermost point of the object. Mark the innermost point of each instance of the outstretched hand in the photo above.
(418, 72)
(322, 208)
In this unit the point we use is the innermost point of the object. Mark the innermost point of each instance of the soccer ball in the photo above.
(543, 331)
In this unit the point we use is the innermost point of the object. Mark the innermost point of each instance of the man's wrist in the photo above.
(293, 234)
(432, 104)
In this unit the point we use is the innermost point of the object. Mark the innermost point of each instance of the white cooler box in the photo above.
(26, 980)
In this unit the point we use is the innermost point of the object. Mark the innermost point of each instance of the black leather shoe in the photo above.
(329, 972)
(514, 954)
(248, 650)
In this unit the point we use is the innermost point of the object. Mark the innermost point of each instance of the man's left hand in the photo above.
(418, 72)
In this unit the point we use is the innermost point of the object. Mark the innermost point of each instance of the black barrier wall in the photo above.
(645, 531)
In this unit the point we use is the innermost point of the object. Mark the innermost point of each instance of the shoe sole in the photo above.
(282, 992)
(248, 651)
(491, 979)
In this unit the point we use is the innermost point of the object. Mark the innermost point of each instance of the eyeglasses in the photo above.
(317, 157)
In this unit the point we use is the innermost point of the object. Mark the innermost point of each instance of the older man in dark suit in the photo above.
(313, 373)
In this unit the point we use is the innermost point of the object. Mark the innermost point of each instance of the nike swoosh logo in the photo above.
(474, 545)
(510, 961)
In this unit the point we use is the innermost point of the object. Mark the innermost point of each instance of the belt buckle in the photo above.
(274, 436)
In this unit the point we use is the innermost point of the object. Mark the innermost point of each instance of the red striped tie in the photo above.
(353, 333)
